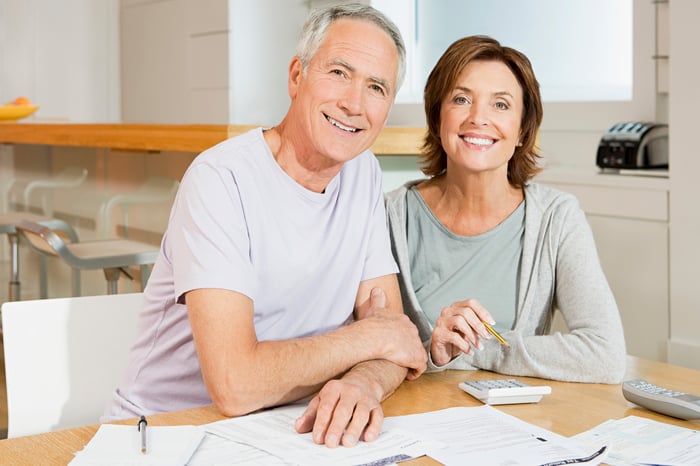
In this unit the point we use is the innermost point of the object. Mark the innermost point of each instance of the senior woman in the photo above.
(477, 241)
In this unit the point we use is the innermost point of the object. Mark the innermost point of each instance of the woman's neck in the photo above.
(470, 205)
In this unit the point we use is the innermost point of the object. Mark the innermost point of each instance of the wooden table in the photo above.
(570, 409)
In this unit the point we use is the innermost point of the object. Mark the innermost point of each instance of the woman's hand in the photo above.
(458, 329)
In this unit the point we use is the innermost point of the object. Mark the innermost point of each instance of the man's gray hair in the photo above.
(319, 20)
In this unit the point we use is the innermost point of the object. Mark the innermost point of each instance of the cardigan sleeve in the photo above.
(561, 270)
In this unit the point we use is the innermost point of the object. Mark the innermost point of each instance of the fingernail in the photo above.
(349, 440)
(332, 440)
(370, 436)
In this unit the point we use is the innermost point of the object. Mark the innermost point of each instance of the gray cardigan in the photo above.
(560, 270)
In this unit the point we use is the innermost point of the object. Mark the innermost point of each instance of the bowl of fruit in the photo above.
(17, 109)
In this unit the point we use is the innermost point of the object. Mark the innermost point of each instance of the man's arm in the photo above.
(345, 409)
(243, 374)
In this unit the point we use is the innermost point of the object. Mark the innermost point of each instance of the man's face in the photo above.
(342, 101)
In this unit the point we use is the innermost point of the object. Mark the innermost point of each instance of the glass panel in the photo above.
(581, 50)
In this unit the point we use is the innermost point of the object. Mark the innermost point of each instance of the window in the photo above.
(596, 53)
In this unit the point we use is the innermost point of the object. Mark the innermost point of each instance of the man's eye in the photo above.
(378, 89)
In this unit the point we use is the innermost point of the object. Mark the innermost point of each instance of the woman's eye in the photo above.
(502, 106)
(461, 100)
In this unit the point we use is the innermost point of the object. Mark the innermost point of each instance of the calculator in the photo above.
(504, 391)
(662, 400)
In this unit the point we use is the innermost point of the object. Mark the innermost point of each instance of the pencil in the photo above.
(493, 332)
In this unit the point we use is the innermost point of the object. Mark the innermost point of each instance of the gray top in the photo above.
(446, 267)
(560, 270)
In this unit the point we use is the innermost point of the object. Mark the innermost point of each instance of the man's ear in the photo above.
(295, 73)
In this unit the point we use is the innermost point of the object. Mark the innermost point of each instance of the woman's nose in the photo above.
(478, 115)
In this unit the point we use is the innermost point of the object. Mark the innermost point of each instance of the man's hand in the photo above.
(342, 413)
(348, 410)
(399, 336)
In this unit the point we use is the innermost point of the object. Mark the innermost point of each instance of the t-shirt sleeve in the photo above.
(207, 234)
(379, 260)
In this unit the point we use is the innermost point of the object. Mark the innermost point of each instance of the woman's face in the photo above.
(480, 118)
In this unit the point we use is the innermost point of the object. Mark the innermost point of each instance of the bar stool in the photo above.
(70, 177)
(155, 190)
(113, 256)
(8, 221)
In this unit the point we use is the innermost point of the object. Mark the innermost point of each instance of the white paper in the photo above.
(273, 432)
(118, 445)
(685, 452)
(487, 436)
(215, 450)
(633, 439)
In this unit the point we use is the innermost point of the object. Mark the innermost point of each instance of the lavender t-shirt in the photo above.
(240, 223)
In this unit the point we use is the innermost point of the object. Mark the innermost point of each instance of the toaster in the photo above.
(633, 145)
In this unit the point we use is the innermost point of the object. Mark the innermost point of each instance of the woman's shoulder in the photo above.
(398, 195)
(547, 195)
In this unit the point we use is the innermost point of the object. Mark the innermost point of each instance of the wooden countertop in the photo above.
(185, 138)
(570, 409)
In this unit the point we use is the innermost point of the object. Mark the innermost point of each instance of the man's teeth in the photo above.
(340, 125)
(479, 141)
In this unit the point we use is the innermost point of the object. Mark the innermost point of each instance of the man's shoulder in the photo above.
(231, 152)
(234, 143)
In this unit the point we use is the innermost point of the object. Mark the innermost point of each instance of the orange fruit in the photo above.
(22, 101)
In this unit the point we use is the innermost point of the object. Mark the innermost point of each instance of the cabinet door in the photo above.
(634, 256)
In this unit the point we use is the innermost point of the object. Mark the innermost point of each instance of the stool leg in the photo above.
(13, 292)
(43, 287)
(75, 281)
(145, 275)
(112, 276)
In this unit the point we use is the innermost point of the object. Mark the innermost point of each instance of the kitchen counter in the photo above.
(629, 179)
(186, 138)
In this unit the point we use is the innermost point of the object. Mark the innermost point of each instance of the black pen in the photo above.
(142, 428)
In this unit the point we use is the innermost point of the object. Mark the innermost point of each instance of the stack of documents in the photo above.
(482, 435)
(637, 440)
(270, 438)
(455, 436)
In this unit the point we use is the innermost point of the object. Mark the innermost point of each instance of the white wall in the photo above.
(684, 101)
(208, 61)
(63, 56)
(262, 44)
(175, 61)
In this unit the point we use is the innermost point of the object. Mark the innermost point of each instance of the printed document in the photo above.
(273, 433)
(486, 436)
(638, 440)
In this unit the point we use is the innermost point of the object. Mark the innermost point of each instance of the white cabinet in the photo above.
(629, 219)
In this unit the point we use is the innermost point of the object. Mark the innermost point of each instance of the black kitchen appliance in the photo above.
(634, 145)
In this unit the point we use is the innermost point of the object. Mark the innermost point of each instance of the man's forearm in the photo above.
(379, 375)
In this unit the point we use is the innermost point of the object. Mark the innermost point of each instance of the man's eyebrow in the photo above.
(380, 81)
